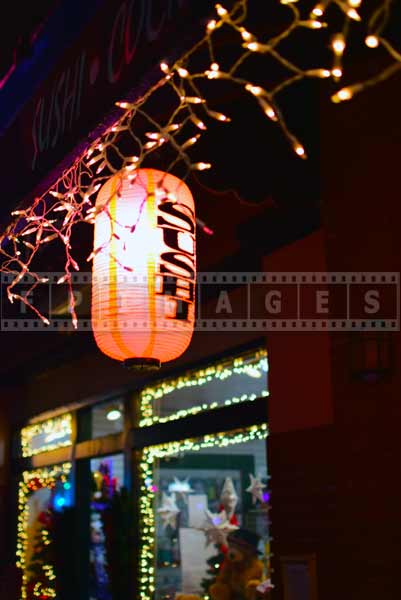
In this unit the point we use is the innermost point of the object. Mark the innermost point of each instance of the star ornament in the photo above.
(229, 498)
(256, 489)
(169, 511)
(181, 487)
(217, 527)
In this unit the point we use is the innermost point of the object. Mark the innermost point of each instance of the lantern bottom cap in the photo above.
(142, 364)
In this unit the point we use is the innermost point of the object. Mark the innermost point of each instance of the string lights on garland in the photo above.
(147, 491)
(254, 364)
(31, 482)
(137, 134)
(47, 435)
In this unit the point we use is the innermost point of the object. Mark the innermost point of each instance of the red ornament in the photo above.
(35, 484)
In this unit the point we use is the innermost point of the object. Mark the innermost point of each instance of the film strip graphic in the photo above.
(230, 301)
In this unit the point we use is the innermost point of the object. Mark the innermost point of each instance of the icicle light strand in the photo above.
(71, 200)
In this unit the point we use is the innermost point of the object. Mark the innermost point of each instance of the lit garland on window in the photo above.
(254, 363)
(54, 431)
(71, 200)
(31, 480)
(147, 494)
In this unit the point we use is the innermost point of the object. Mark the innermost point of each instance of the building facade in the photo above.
(292, 433)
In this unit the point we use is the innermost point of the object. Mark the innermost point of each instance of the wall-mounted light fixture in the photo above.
(114, 413)
(372, 356)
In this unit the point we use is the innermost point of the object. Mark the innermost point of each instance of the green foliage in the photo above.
(214, 563)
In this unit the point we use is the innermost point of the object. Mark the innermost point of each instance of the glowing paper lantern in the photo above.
(144, 268)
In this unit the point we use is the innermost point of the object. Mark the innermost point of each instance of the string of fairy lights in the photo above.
(138, 133)
(147, 491)
(47, 435)
(253, 364)
(31, 481)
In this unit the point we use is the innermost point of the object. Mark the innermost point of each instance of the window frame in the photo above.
(135, 440)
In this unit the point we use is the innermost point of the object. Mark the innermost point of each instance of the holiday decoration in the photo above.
(99, 582)
(36, 561)
(111, 534)
(104, 485)
(217, 527)
(181, 488)
(46, 435)
(144, 267)
(237, 365)
(150, 458)
(188, 111)
(228, 501)
(41, 567)
(169, 510)
(242, 571)
(256, 489)
(265, 587)
(229, 498)
(213, 566)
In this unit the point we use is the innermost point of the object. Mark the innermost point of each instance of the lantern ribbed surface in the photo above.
(144, 267)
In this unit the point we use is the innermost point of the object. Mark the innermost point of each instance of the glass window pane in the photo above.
(107, 418)
(204, 498)
(238, 379)
(107, 481)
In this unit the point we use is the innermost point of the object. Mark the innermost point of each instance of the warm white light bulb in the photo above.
(246, 36)
(341, 95)
(317, 11)
(254, 89)
(352, 14)
(221, 11)
(372, 41)
(322, 73)
(314, 24)
(201, 166)
(253, 46)
(338, 44)
(192, 99)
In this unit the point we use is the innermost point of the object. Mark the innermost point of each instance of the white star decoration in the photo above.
(256, 489)
(217, 527)
(169, 511)
(229, 498)
(181, 487)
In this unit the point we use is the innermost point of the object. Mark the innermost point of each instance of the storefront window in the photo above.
(107, 482)
(107, 418)
(44, 496)
(195, 496)
(47, 435)
(239, 379)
